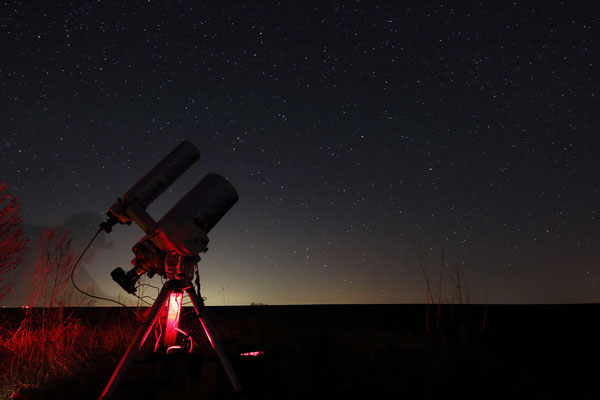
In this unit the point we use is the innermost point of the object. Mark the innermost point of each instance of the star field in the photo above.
(360, 136)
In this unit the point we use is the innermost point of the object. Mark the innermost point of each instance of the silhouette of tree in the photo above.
(12, 242)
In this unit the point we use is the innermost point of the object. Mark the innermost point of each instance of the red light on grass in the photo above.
(252, 353)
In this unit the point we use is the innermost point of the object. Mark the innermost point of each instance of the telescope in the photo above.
(170, 248)
(183, 230)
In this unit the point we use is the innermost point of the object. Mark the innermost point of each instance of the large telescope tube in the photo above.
(205, 204)
(185, 226)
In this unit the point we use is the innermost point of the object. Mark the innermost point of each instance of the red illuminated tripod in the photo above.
(170, 249)
(172, 291)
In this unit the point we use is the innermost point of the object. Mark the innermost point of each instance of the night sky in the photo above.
(360, 136)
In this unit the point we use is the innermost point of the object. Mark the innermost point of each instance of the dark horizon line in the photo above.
(260, 305)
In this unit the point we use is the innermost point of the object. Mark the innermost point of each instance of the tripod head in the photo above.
(172, 245)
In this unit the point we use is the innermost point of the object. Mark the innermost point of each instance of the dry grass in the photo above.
(50, 340)
(50, 345)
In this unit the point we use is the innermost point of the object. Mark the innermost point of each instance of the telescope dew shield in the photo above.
(134, 202)
(205, 204)
(147, 189)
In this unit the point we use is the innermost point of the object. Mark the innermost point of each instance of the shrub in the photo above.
(12, 242)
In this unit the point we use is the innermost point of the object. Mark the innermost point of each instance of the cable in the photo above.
(188, 336)
(88, 294)
(140, 285)
(142, 299)
(152, 286)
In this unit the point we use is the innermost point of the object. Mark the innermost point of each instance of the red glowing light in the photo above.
(252, 353)
(173, 313)
(173, 349)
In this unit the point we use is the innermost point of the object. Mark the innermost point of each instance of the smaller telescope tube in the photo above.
(147, 189)
(205, 204)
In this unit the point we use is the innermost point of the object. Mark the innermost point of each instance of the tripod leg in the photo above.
(136, 344)
(214, 342)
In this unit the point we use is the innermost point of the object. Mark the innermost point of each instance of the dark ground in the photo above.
(372, 351)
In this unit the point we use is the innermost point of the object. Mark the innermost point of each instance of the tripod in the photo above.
(177, 286)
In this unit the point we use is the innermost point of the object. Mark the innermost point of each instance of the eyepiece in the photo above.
(126, 281)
